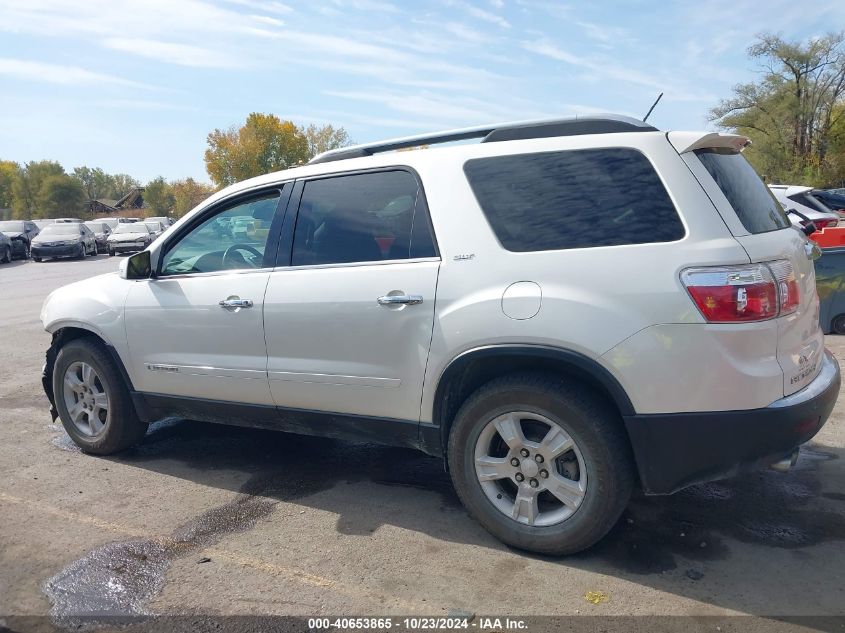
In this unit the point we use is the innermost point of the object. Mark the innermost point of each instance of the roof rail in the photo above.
(516, 130)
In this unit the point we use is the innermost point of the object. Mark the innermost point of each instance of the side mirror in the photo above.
(136, 266)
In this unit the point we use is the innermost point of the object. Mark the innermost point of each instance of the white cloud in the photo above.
(171, 53)
(601, 68)
(61, 75)
(278, 8)
(487, 16)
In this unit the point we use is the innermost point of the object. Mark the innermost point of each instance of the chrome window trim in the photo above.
(377, 262)
(215, 273)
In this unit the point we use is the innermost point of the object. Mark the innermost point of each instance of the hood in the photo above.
(41, 239)
(11, 234)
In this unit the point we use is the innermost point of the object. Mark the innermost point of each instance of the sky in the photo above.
(135, 86)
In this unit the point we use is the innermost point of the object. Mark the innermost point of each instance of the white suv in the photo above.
(563, 311)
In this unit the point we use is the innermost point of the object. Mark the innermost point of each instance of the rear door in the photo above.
(760, 225)
(349, 313)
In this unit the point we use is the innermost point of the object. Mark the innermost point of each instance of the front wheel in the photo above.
(37, 259)
(92, 400)
(838, 325)
(7, 255)
(542, 464)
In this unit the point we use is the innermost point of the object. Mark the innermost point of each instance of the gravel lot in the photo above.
(211, 520)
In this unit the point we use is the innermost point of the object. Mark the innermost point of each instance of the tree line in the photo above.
(263, 144)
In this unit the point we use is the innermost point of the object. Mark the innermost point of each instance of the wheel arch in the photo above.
(64, 334)
(473, 368)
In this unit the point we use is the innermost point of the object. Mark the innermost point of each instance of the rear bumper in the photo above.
(675, 450)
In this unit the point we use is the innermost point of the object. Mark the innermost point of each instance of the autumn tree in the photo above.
(187, 194)
(264, 144)
(322, 139)
(791, 111)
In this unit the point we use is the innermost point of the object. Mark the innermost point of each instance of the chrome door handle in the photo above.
(393, 300)
(235, 303)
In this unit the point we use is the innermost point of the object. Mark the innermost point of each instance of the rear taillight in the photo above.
(825, 222)
(752, 292)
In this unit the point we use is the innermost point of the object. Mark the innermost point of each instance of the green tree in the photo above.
(9, 172)
(60, 195)
(264, 144)
(791, 111)
(324, 138)
(26, 188)
(121, 184)
(158, 196)
(187, 194)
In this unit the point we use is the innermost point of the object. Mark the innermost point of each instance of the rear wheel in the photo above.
(839, 324)
(92, 400)
(542, 464)
(37, 259)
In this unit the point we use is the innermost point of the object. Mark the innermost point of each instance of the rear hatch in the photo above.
(759, 224)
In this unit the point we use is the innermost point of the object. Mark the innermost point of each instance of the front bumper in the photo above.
(675, 450)
(18, 248)
(71, 250)
(129, 247)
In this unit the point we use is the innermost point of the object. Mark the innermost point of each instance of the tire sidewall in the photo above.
(577, 530)
(76, 351)
(838, 325)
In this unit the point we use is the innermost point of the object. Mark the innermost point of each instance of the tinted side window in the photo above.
(361, 218)
(573, 199)
(754, 204)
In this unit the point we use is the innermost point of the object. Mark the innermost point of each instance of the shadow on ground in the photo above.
(688, 531)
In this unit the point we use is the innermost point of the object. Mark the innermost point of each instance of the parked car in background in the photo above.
(832, 200)
(156, 227)
(130, 220)
(5, 249)
(165, 221)
(101, 232)
(21, 233)
(129, 237)
(800, 199)
(67, 220)
(64, 239)
(44, 222)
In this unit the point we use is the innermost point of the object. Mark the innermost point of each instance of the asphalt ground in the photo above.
(207, 521)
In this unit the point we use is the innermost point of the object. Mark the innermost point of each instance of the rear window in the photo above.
(573, 199)
(753, 203)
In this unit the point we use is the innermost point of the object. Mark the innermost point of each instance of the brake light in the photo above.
(752, 292)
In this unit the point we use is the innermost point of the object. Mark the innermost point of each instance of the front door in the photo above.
(196, 329)
(348, 324)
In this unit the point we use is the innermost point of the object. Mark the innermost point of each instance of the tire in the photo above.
(81, 254)
(7, 255)
(111, 253)
(601, 457)
(838, 325)
(118, 427)
(37, 259)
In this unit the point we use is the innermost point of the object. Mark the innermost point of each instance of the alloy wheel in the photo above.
(530, 468)
(86, 399)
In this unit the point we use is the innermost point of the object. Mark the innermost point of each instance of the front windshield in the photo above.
(11, 227)
(131, 227)
(154, 226)
(96, 227)
(61, 229)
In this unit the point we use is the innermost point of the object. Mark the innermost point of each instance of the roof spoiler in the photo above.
(691, 141)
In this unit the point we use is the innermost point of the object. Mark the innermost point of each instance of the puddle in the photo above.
(114, 582)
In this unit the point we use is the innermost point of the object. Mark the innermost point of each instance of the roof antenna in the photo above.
(648, 114)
